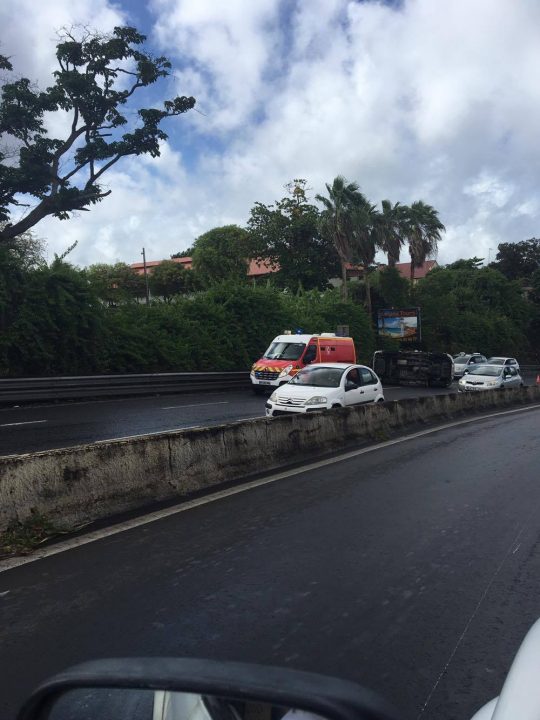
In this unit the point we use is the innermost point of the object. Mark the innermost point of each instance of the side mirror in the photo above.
(466, 372)
(173, 689)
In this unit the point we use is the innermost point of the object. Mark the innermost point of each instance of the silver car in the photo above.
(505, 361)
(464, 361)
(490, 377)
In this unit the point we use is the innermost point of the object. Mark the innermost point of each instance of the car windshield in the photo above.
(496, 361)
(318, 377)
(461, 359)
(284, 351)
(491, 371)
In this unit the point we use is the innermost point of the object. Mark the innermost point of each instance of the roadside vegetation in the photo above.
(58, 319)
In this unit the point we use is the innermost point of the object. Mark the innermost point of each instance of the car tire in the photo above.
(336, 405)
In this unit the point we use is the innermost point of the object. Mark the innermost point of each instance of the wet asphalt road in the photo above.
(413, 569)
(31, 429)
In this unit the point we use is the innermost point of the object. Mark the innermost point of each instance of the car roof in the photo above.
(500, 357)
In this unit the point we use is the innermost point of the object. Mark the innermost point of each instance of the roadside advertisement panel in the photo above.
(403, 325)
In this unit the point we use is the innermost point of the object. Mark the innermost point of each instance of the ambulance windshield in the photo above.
(284, 351)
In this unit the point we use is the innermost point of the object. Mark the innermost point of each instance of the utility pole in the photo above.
(489, 255)
(145, 277)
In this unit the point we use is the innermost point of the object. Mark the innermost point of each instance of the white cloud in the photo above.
(230, 44)
(432, 101)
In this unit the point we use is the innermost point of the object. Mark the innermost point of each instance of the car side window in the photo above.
(352, 376)
(513, 372)
(367, 377)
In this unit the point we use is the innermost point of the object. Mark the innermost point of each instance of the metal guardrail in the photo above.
(47, 389)
(28, 390)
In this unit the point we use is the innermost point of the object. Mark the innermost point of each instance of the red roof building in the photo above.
(404, 269)
(262, 268)
(151, 264)
(419, 272)
(257, 268)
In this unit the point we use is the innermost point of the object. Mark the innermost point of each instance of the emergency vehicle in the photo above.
(288, 353)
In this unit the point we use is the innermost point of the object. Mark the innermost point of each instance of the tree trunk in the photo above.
(368, 296)
(344, 293)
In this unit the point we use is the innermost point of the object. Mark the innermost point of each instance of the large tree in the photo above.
(222, 254)
(518, 261)
(287, 235)
(423, 232)
(390, 229)
(365, 220)
(115, 284)
(169, 279)
(96, 77)
(336, 220)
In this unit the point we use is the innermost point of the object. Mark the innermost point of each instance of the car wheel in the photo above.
(336, 405)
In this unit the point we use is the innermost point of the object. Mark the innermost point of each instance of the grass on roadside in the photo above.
(21, 538)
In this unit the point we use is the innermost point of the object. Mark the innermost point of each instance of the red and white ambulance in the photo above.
(287, 354)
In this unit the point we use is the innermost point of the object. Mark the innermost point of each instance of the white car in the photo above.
(464, 362)
(490, 377)
(325, 386)
(506, 361)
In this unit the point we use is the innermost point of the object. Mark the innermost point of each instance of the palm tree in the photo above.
(390, 230)
(423, 232)
(336, 220)
(365, 239)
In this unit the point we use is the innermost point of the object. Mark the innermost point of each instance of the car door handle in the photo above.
(361, 392)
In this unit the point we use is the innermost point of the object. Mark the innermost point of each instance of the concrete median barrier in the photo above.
(91, 482)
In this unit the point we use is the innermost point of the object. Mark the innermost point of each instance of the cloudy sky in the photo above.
(413, 99)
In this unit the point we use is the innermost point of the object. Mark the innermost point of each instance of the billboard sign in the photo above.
(403, 325)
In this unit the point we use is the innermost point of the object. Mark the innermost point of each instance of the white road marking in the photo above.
(26, 422)
(220, 494)
(173, 407)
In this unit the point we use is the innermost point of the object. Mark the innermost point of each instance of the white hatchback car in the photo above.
(325, 386)
(506, 361)
(490, 377)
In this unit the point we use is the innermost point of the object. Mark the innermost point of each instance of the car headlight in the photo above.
(492, 383)
(273, 396)
(286, 371)
(316, 400)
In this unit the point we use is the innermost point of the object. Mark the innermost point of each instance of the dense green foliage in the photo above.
(52, 322)
(518, 261)
(56, 319)
(221, 254)
(115, 284)
(61, 320)
(474, 309)
(96, 77)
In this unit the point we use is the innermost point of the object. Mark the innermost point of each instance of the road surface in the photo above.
(413, 569)
(31, 429)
